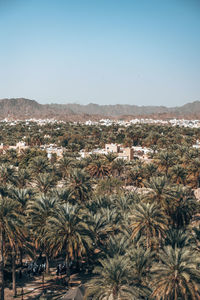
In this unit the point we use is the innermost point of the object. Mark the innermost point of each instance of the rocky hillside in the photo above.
(25, 109)
(21, 108)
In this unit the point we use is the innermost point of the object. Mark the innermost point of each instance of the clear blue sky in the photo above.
(144, 52)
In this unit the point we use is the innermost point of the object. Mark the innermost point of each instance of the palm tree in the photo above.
(98, 168)
(183, 208)
(190, 155)
(152, 138)
(123, 203)
(118, 166)
(79, 184)
(67, 231)
(178, 238)
(63, 195)
(114, 281)
(7, 174)
(148, 221)
(65, 164)
(38, 213)
(117, 245)
(97, 202)
(45, 182)
(194, 171)
(149, 170)
(109, 185)
(11, 223)
(135, 176)
(99, 228)
(22, 196)
(22, 178)
(165, 159)
(160, 192)
(110, 157)
(11, 156)
(177, 275)
(182, 151)
(141, 260)
(39, 164)
(178, 174)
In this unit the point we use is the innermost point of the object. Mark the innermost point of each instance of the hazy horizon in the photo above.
(89, 103)
(103, 52)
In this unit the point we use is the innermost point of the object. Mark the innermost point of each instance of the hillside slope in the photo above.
(21, 108)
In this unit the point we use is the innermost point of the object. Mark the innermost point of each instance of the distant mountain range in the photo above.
(21, 108)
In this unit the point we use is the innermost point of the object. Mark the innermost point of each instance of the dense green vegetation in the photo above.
(134, 226)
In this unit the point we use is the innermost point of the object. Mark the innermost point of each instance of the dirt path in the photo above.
(54, 287)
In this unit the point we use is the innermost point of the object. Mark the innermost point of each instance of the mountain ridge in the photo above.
(22, 108)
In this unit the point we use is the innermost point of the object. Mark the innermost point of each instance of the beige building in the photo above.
(124, 153)
(112, 148)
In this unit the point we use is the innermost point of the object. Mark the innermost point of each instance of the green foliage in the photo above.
(135, 224)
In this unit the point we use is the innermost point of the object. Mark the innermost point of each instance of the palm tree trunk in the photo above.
(1, 265)
(148, 238)
(160, 240)
(67, 265)
(115, 293)
(21, 257)
(14, 272)
(167, 168)
(175, 296)
(47, 263)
